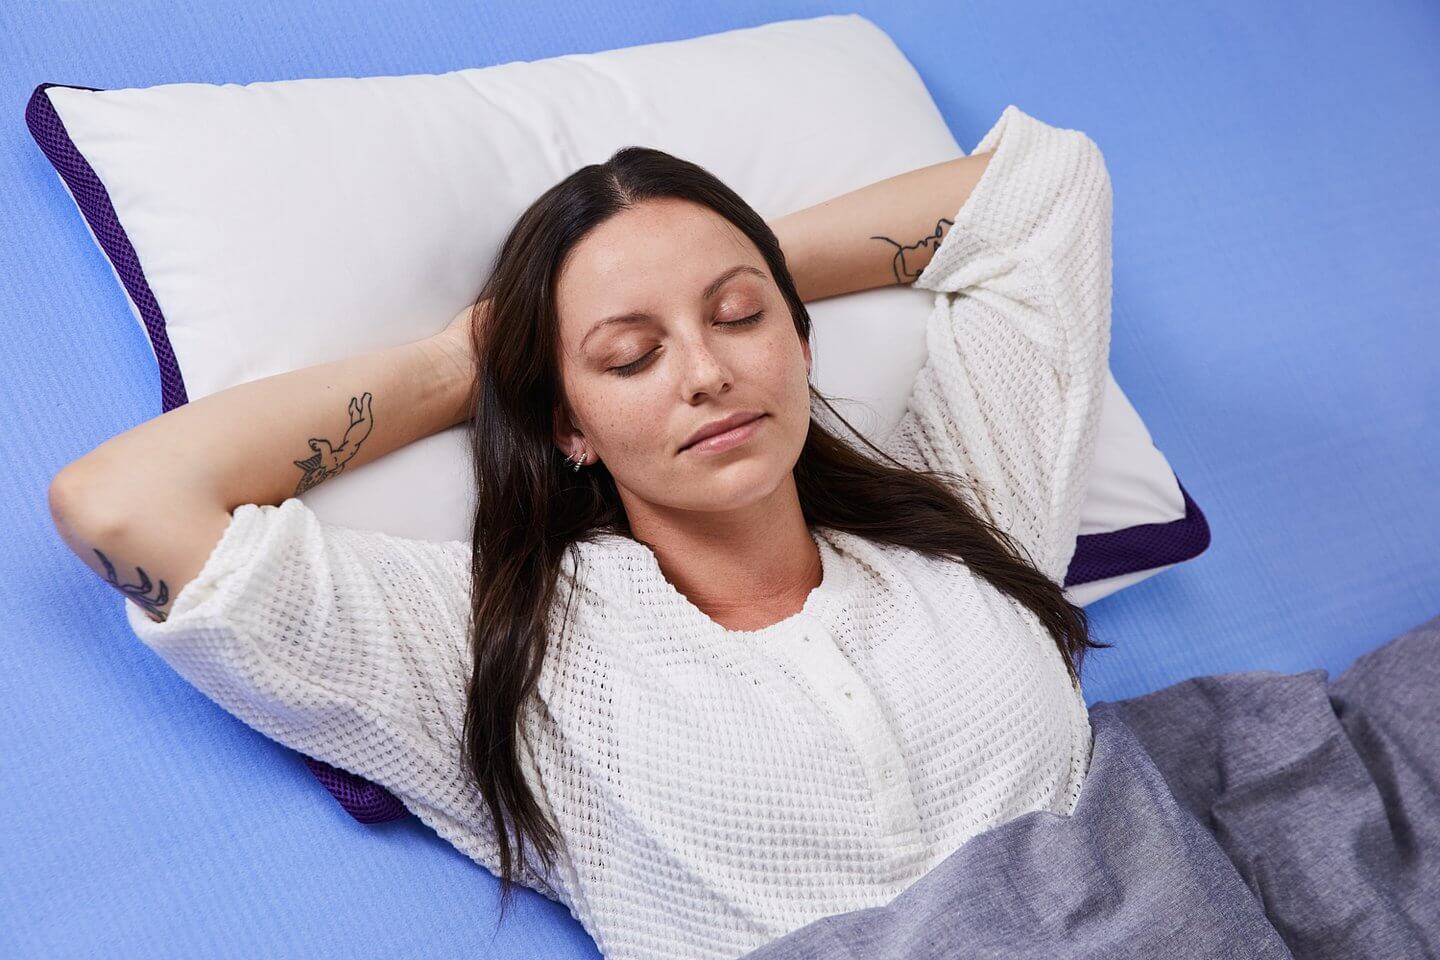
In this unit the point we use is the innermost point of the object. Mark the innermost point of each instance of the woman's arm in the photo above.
(881, 234)
(145, 508)
(1013, 385)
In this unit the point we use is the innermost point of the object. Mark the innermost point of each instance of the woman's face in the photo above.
(639, 388)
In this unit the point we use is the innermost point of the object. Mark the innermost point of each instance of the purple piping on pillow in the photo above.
(1144, 546)
(1097, 556)
(94, 202)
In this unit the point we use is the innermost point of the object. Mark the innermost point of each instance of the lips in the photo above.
(718, 427)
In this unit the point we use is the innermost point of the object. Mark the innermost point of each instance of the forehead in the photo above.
(658, 254)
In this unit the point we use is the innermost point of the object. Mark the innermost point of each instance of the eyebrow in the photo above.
(638, 316)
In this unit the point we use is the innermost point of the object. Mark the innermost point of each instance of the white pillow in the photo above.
(264, 227)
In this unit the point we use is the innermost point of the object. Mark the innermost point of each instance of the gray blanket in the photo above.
(1241, 815)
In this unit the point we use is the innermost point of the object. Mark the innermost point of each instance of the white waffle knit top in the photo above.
(716, 789)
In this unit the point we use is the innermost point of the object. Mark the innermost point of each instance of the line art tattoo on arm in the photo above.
(903, 272)
(139, 592)
(329, 459)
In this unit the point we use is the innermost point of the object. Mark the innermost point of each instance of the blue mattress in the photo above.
(1276, 213)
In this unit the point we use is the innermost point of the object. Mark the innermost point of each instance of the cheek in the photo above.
(788, 377)
(620, 420)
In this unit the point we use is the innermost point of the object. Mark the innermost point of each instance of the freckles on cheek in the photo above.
(785, 363)
(629, 426)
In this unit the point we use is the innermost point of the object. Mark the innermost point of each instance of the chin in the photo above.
(733, 484)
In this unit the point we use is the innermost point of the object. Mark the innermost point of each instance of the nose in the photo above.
(705, 373)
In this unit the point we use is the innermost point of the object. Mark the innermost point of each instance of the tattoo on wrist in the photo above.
(328, 459)
(904, 273)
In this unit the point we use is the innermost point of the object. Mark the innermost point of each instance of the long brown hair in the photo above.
(531, 507)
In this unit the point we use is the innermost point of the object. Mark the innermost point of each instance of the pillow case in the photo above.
(264, 227)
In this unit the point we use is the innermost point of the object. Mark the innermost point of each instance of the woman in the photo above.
(722, 670)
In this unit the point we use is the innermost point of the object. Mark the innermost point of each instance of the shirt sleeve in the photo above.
(1011, 392)
(347, 645)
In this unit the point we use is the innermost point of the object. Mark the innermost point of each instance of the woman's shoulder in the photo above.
(885, 559)
(608, 568)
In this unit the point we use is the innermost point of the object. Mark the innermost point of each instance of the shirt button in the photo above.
(849, 693)
(807, 638)
(889, 774)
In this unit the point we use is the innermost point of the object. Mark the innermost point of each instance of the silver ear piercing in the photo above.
(577, 461)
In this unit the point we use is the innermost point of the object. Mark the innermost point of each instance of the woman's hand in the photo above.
(456, 339)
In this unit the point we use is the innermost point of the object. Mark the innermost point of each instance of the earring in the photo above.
(577, 461)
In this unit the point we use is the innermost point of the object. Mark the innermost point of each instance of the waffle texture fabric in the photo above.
(716, 788)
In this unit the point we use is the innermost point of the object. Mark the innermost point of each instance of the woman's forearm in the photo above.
(273, 438)
(879, 235)
(145, 509)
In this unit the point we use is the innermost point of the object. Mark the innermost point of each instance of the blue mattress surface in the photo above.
(1276, 213)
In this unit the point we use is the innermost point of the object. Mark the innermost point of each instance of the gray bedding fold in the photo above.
(1240, 815)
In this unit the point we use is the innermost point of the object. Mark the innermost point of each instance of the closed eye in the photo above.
(634, 367)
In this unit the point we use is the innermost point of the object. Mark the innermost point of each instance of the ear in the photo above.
(568, 438)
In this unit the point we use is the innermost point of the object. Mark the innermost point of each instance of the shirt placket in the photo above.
(833, 678)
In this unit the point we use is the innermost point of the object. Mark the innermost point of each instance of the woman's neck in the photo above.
(745, 569)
